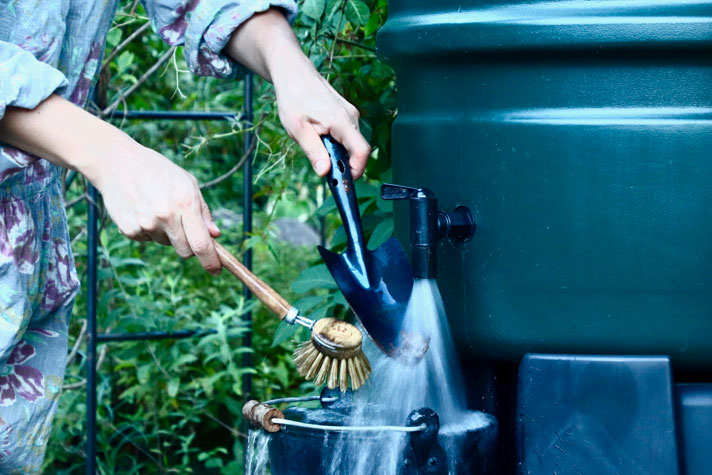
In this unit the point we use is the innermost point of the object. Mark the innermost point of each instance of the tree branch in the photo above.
(237, 166)
(77, 343)
(99, 362)
(165, 57)
(76, 200)
(350, 42)
(124, 43)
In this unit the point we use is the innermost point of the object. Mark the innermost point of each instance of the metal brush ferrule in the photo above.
(293, 317)
(304, 321)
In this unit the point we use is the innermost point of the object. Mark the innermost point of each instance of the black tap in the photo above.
(428, 225)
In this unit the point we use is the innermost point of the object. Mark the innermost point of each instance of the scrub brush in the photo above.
(332, 356)
(333, 353)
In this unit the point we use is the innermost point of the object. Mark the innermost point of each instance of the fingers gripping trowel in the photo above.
(377, 284)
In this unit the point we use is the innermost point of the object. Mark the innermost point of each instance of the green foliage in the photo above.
(175, 405)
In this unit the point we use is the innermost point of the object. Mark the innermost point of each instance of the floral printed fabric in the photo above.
(56, 46)
(37, 286)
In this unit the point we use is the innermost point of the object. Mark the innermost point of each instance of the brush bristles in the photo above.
(335, 372)
(343, 378)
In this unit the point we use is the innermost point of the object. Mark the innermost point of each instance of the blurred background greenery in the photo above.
(174, 406)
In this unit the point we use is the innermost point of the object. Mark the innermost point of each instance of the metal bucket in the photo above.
(299, 450)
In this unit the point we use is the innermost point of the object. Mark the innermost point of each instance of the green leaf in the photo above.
(283, 333)
(253, 241)
(144, 374)
(364, 206)
(313, 8)
(366, 130)
(372, 25)
(318, 59)
(129, 261)
(282, 374)
(385, 205)
(173, 386)
(357, 12)
(185, 359)
(332, 6)
(338, 298)
(274, 250)
(307, 303)
(124, 61)
(235, 466)
(364, 190)
(383, 231)
(326, 207)
(336, 22)
(113, 38)
(319, 313)
(339, 237)
(317, 277)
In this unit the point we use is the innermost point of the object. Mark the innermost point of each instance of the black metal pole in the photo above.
(171, 115)
(246, 231)
(92, 242)
(152, 336)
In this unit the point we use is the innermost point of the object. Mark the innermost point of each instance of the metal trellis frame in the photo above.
(92, 285)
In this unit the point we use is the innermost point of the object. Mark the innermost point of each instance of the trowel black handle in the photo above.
(341, 184)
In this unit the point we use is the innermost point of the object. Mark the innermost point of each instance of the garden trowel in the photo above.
(377, 284)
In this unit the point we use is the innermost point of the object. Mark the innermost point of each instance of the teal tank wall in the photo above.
(580, 135)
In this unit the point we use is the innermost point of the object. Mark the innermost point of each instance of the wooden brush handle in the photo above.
(266, 294)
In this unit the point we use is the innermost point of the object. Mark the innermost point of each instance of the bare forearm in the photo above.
(65, 134)
(266, 44)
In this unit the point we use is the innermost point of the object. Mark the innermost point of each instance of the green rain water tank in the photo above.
(580, 135)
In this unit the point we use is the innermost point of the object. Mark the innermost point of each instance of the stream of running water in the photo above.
(257, 453)
(396, 388)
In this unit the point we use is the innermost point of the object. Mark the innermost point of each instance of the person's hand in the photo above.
(152, 199)
(148, 196)
(309, 107)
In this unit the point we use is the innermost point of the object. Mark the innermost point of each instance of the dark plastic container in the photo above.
(580, 136)
(300, 451)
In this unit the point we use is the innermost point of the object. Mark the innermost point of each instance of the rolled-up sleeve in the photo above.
(205, 27)
(24, 80)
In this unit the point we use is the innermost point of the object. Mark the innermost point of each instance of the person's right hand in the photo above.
(152, 199)
(148, 196)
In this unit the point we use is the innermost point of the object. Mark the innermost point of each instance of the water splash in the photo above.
(395, 389)
(399, 387)
(257, 453)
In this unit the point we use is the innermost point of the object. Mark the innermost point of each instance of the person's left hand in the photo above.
(309, 107)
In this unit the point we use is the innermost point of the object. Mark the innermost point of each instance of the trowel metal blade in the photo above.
(378, 293)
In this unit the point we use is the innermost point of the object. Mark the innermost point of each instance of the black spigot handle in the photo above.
(390, 191)
(341, 184)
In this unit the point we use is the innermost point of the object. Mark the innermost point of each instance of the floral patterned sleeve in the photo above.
(205, 27)
(24, 80)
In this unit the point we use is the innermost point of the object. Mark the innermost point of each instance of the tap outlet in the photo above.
(428, 225)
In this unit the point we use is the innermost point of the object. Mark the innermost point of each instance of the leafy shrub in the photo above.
(174, 405)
